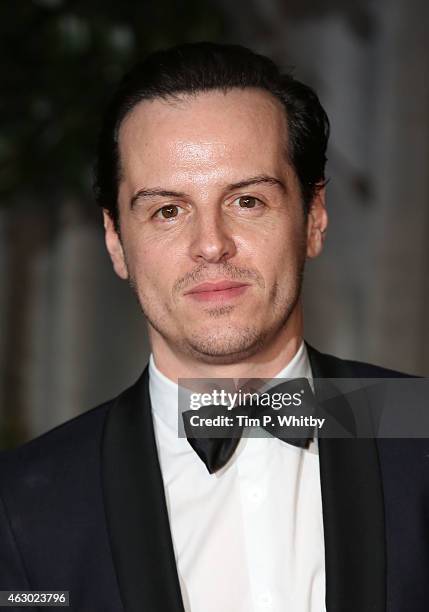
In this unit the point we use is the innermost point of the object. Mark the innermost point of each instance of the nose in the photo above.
(211, 239)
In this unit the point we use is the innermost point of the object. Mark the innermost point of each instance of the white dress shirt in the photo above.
(248, 538)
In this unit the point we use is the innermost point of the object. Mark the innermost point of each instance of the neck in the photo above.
(267, 362)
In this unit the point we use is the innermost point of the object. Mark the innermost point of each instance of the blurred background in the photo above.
(71, 333)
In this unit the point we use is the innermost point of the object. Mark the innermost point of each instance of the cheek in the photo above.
(153, 269)
(141, 260)
(275, 252)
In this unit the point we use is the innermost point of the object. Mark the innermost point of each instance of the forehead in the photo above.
(208, 135)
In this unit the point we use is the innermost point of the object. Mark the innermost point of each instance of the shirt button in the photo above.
(265, 599)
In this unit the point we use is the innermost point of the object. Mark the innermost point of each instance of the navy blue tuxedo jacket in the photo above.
(82, 509)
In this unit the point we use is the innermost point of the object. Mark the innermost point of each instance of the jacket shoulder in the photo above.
(370, 370)
(54, 451)
(330, 366)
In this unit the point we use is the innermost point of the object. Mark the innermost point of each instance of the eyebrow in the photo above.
(155, 193)
(158, 192)
(257, 180)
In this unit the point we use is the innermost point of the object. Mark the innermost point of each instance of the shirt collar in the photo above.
(164, 392)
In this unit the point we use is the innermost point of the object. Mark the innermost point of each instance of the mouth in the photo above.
(220, 291)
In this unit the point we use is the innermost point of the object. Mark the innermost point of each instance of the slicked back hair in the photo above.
(199, 67)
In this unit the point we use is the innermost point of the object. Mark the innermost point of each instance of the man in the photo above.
(211, 179)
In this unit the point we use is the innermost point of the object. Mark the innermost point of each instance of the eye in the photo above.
(168, 212)
(248, 202)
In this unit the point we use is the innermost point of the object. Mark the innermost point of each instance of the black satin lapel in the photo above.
(135, 505)
(353, 514)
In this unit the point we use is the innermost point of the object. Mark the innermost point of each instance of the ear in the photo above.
(317, 223)
(114, 246)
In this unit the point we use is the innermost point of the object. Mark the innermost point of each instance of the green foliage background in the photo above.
(61, 59)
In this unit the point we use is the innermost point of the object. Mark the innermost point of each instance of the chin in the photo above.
(223, 347)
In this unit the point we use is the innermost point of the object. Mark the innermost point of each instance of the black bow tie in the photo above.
(214, 431)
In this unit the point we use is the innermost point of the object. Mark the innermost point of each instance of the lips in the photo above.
(221, 286)
(219, 291)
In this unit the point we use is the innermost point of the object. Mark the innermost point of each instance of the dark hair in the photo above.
(204, 66)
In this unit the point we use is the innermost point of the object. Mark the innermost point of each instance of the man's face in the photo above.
(213, 235)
